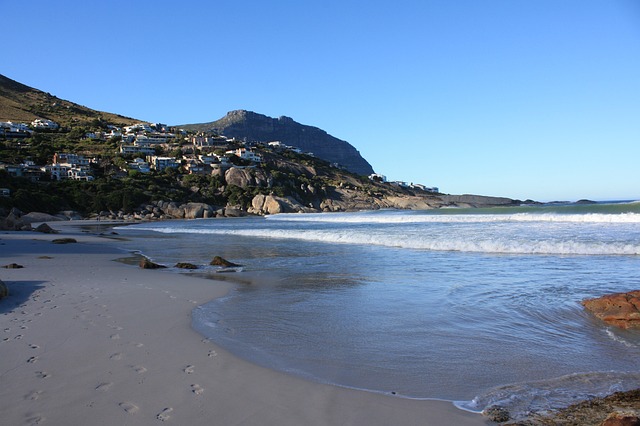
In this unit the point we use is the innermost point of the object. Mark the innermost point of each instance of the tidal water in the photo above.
(478, 306)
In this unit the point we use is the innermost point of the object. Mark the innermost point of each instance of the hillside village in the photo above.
(141, 143)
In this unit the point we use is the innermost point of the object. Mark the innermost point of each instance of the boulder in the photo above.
(4, 290)
(239, 177)
(233, 212)
(13, 266)
(622, 419)
(148, 264)
(185, 265)
(13, 221)
(271, 204)
(39, 217)
(197, 210)
(45, 229)
(172, 209)
(219, 261)
(64, 241)
(619, 309)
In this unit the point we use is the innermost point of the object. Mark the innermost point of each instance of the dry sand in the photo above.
(85, 340)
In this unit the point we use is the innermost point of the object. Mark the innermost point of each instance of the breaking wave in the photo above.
(506, 244)
(368, 218)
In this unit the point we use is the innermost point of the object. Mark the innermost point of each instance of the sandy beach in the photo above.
(87, 340)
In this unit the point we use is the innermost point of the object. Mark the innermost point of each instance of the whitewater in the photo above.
(478, 306)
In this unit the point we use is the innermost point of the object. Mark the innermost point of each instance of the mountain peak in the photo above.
(252, 126)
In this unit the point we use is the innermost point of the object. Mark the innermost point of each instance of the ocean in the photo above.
(475, 306)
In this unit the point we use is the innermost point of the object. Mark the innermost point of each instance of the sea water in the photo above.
(479, 306)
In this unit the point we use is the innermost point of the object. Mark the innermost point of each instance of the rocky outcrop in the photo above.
(34, 217)
(618, 409)
(14, 222)
(219, 261)
(619, 309)
(45, 229)
(148, 264)
(271, 204)
(468, 200)
(260, 128)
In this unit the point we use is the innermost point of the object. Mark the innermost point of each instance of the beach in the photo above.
(87, 340)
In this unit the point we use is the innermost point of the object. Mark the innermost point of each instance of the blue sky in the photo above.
(526, 99)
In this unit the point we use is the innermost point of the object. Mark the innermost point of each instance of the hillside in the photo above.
(250, 126)
(83, 169)
(21, 103)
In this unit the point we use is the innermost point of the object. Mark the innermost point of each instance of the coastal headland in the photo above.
(87, 340)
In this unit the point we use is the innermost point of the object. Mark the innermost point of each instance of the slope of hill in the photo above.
(21, 103)
(251, 126)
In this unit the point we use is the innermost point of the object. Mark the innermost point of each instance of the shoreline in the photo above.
(87, 340)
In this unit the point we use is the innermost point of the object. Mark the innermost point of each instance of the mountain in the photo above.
(21, 103)
(256, 127)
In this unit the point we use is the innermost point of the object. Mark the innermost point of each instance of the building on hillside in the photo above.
(377, 177)
(44, 124)
(161, 163)
(74, 160)
(246, 154)
(139, 165)
(136, 149)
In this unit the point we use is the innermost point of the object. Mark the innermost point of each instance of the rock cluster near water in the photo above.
(618, 409)
(620, 309)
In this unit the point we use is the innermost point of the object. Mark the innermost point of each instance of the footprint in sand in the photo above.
(211, 354)
(164, 414)
(129, 407)
(137, 345)
(42, 375)
(189, 369)
(32, 359)
(197, 389)
(114, 336)
(32, 346)
(139, 369)
(117, 356)
(103, 387)
(33, 395)
(36, 420)
(18, 337)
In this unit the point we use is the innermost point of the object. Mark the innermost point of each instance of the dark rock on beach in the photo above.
(219, 261)
(13, 266)
(148, 264)
(64, 241)
(45, 229)
(186, 265)
(619, 309)
(618, 409)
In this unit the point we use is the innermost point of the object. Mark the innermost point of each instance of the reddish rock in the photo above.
(622, 419)
(620, 309)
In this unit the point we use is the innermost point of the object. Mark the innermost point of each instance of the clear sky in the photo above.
(520, 98)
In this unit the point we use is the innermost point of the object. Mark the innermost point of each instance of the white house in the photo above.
(246, 154)
(41, 123)
(161, 163)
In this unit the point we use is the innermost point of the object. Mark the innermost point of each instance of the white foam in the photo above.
(459, 218)
(490, 244)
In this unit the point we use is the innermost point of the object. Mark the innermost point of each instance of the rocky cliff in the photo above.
(257, 127)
